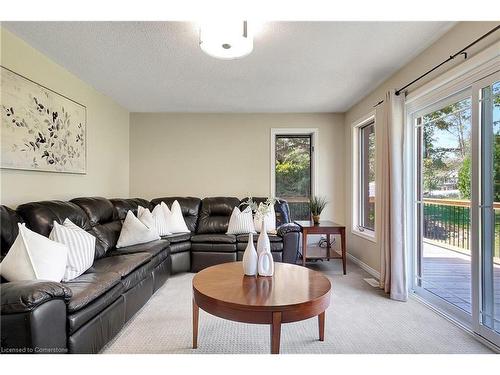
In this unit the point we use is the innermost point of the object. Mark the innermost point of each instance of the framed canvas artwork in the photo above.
(40, 130)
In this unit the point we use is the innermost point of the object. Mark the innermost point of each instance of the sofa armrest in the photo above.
(22, 296)
(33, 317)
(287, 228)
(290, 233)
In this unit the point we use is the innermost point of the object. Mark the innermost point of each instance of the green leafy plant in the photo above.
(317, 205)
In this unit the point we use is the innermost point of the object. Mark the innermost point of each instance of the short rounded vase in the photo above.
(316, 219)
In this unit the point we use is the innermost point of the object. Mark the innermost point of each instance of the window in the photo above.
(364, 178)
(367, 177)
(292, 165)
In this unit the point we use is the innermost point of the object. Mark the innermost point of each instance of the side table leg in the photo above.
(321, 326)
(344, 255)
(276, 333)
(304, 247)
(328, 247)
(196, 313)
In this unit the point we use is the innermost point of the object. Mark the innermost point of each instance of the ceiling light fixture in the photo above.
(227, 39)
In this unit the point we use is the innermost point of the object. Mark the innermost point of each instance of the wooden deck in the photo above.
(447, 274)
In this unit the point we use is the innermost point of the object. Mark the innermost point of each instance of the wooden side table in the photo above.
(327, 228)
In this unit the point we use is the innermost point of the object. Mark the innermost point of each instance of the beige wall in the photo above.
(226, 154)
(453, 41)
(107, 135)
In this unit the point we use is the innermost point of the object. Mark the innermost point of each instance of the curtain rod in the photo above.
(463, 51)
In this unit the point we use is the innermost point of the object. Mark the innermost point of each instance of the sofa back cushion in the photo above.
(40, 216)
(281, 209)
(8, 228)
(215, 213)
(122, 206)
(190, 207)
(104, 222)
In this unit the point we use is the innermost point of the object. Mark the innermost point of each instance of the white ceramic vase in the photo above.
(265, 266)
(250, 258)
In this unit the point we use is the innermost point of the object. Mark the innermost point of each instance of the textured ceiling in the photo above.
(295, 66)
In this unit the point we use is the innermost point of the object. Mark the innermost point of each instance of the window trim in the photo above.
(314, 133)
(355, 168)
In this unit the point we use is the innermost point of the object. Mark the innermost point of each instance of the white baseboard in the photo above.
(364, 266)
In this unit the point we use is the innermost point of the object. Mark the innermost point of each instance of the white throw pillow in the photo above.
(241, 222)
(81, 247)
(34, 257)
(174, 218)
(146, 217)
(270, 220)
(160, 220)
(135, 232)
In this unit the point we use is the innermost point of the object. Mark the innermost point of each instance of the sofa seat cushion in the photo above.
(214, 238)
(178, 237)
(213, 247)
(152, 247)
(88, 312)
(138, 275)
(120, 264)
(272, 238)
(180, 247)
(275, 246)
(88, 287)
(157, 259)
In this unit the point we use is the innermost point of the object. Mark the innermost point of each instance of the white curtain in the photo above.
(390, 229)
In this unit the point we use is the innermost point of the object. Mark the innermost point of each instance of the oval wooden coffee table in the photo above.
(294, 293)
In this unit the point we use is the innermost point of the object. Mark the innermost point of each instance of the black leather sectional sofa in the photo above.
(82, 315)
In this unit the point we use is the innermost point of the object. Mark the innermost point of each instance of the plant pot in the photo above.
(316, 219)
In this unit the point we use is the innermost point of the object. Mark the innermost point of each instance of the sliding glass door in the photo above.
(443, 188)
(456, 205)
(487, 93)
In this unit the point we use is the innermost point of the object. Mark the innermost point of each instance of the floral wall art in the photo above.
(40, 129)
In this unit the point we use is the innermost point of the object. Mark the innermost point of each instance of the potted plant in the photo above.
(317, 205)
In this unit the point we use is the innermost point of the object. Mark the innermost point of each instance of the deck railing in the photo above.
(447, 221)
(299, 208)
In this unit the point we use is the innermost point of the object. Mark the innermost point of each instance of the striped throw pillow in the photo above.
(241, 222)
(81, 247)
(160, 220)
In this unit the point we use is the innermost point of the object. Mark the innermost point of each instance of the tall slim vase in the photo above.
(250, 258)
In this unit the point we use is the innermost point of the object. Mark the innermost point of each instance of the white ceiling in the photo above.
(295, 66)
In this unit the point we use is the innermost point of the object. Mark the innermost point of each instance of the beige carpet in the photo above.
(360, 320)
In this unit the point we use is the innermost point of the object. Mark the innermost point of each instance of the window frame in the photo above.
(356, 167)
(314, 134)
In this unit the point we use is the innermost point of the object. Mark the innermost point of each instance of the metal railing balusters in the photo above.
(447, 221)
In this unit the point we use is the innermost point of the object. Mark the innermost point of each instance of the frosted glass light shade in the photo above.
(226, 40)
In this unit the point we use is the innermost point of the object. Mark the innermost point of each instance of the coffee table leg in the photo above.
(321, 326)
(196, 313)
(276, 333)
